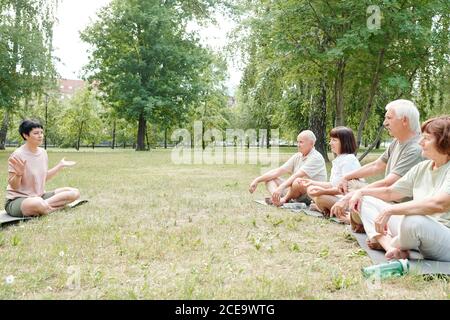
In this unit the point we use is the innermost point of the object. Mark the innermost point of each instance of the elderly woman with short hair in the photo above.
(420, 224)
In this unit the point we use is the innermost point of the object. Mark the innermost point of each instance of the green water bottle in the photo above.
(391, 269)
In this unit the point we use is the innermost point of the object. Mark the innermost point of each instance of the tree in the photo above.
(145, 62)
(211, 106)
(25, 53)
(80, 121)
(347, 70)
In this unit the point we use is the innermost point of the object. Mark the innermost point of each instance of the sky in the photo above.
(75, 15)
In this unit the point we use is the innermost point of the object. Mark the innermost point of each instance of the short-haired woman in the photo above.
(28, 172)
(423, 223)
(343, 145)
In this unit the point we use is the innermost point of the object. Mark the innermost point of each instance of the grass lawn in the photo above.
(155, 230)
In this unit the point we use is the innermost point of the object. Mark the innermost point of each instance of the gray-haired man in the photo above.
(402, 123)
(307, 163)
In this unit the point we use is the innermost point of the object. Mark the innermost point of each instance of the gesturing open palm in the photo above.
(18, 165)
(66, 163)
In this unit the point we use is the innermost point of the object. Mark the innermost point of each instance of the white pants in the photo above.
(417, 232)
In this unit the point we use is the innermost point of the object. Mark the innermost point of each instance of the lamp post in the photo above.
(46, 107)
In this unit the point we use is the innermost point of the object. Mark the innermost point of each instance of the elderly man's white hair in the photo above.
(310, 135)
(406, 108)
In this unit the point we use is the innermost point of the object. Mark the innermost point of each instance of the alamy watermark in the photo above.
(237, 147)
(374, 20)
(74, 278)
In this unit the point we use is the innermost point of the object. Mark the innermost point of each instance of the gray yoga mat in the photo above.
(300, 207)
(6, 219)
(416, 262)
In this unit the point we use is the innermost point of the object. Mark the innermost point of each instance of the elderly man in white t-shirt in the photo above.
(307, 163)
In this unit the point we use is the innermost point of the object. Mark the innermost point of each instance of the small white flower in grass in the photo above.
(9, 279)
(61, 254)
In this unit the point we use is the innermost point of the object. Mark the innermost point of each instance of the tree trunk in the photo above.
(80, 131)
(317, 119)
(376, 141)
(114, 135)
(4, 130)
(268, 137)
(339, 94)
(373, 89)
(257, 138)
(146, 139)
(165, 138)
(203, 137)
(141, 133)
(204, 117)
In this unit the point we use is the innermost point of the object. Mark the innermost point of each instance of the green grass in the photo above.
(155, 230)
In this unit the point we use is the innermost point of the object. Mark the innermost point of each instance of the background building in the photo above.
(67, 87)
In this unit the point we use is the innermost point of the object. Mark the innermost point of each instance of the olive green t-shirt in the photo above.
(422, 182)
(402, 156)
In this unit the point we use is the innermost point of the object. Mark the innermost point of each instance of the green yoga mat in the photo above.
(6, 219)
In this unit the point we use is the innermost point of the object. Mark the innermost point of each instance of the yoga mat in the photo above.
(300, 207)
(416, 262)
(6, 219)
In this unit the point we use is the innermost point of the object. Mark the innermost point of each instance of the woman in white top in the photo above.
(324, 194)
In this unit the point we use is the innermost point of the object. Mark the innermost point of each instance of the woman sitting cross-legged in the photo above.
(324, 194)
(28, 172)
(420, 224)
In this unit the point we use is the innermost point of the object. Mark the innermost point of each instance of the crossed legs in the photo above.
(370, 209)
(36, 206)
(272, 185)
(295, 191)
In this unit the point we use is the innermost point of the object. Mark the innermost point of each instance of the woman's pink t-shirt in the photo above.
(34, 176)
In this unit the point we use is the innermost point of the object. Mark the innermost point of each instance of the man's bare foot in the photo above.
(396, 253)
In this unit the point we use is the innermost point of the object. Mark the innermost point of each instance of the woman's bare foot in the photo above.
(345, 219)
(283, 200)
(396, 253)
(374, 244)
